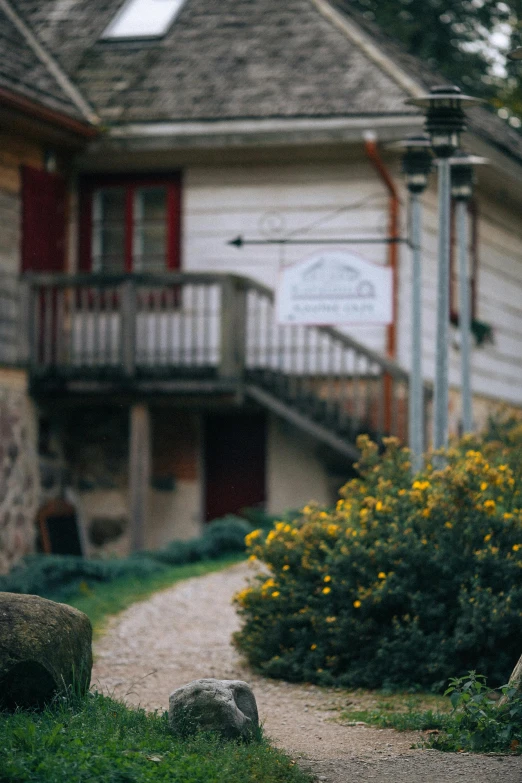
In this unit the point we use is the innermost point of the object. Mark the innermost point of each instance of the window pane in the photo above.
(143, 19)
(108, 230)
(150, 230)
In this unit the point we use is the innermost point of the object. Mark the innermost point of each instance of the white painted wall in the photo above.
(331, 199)
(496, 368)
(324, 200)
(295, 475)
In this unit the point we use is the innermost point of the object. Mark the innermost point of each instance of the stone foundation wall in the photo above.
(19, 476)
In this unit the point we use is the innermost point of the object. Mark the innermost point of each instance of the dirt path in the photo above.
(183, 633)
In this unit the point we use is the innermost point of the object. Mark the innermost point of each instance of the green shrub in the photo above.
(408, 581)
(61, 576)
(477, 722)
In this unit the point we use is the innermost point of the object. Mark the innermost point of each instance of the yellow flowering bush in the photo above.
(407, 581)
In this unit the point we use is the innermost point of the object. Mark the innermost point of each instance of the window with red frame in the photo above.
(130, 224)
(473, 262)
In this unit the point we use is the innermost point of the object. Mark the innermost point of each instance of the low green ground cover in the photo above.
(470, 717)
(70, 579)
(97, 739)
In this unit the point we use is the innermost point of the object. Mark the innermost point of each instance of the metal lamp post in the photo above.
(445, 121)
(417, 163)
(462, 181)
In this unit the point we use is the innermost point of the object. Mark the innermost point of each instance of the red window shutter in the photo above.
(43, 221)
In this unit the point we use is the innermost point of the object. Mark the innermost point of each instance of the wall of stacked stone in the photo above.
(19, 475)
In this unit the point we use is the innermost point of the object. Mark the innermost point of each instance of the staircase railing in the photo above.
(210, 325)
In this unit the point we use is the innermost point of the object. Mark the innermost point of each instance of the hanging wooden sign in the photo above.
(334, 287)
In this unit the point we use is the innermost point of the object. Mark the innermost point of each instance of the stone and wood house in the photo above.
(146, 385)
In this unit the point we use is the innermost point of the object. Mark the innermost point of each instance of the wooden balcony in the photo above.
(206, 333)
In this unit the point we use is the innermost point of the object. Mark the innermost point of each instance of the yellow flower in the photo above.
(378, 506)
(507, 515)
(516, 547)
(426, 512)
(424, 541)
(327, 578)
(275, 593)
(327, 590)
(483, 486)
(357, 604)
(252, 537)
(331, 619)
(490, 505)
(381, 575)
(402, 492)
(448, 525)
(286, 567)
(421, 485)
(488, 537)
(313, 647)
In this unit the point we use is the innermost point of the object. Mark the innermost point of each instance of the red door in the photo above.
(235, 463)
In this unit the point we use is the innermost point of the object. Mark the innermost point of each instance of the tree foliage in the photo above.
(464, 40)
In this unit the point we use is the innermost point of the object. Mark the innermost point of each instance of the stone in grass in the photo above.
(227, 707)
(45, 649)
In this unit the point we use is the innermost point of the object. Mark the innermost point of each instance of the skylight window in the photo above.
(143, 19)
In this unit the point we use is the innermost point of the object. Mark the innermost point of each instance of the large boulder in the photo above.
(224, 706)
(45, 649)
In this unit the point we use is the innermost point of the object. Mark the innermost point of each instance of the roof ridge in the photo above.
(51, 64)
(361, 39)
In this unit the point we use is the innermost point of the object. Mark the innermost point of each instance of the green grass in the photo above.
(98, 739)
(404, 712)
(103, 599)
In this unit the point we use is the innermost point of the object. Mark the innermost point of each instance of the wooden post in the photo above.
(139, 473)
(233, 330)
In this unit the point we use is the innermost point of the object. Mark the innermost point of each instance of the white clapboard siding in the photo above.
(497, 368)
(325, 201)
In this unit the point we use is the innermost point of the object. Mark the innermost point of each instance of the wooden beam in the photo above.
(139, 473)
(302, 422)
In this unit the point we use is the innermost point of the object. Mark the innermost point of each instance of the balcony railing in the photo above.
(208, 327)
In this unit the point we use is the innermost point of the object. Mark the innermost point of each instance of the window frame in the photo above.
(130, 183)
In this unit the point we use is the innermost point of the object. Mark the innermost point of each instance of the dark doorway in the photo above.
(58, 529)
(235, 463)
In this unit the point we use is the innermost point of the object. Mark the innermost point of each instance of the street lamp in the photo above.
(417, 163)
(445, 121)
(462, 181)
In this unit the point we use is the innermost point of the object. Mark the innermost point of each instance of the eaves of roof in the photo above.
(32, 82)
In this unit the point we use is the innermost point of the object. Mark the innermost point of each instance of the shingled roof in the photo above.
(236, 59)
(25, 72)
(221, 59)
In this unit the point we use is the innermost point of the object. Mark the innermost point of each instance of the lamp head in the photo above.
(463, 174)
(417, 161)
(445, 117)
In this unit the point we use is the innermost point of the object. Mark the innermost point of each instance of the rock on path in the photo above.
(183, 633)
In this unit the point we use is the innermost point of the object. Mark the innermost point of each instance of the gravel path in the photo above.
(183, 633)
